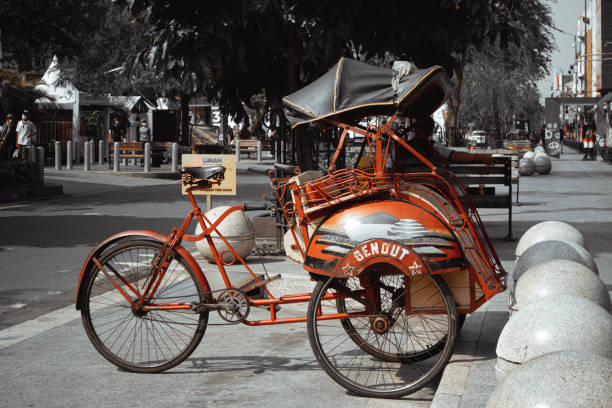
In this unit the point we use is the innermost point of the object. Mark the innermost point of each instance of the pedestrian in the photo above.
(26, 136)
(115, 131)
(8, 139)
(144, 133)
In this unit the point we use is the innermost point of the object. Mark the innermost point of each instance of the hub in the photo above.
(380, 324)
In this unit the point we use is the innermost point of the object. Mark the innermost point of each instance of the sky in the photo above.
(565, 16)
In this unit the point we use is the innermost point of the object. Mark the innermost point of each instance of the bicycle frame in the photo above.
(173, 241)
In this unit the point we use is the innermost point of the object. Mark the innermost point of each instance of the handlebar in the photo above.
(255, 207)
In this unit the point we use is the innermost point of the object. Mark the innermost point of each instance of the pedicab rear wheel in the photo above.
(383, 351)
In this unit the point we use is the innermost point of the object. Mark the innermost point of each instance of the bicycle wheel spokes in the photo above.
(390, 352)
(142, 338)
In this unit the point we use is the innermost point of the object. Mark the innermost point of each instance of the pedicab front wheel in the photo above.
(389, 347)
(147, 339)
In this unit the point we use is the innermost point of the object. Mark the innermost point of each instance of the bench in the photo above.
(481, 181)
(128, 150)
(250, 146)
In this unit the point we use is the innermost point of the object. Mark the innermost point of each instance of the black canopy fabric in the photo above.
(352, 90)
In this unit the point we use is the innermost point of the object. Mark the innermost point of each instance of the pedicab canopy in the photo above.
(352, 90)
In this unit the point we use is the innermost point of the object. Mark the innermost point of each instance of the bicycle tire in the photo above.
(390, 364)
(144, 342)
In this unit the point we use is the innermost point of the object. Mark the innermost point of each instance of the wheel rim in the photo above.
(131, 337)
(366, 357)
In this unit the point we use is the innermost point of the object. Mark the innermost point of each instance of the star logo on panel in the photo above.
(415, 268)
(349, 270)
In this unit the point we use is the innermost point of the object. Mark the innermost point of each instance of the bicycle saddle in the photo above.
(203, 172)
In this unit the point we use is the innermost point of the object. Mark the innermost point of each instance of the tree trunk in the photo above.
(303, 148)
(184, 139)
(453, 104)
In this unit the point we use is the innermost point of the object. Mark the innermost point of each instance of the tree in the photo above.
(33, 28)
(235, 49)
(524, 47)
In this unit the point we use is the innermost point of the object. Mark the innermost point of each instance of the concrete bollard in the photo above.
(259, 147)
(58, 155)
(92, 153)
(526, 167)
(147, 157)
(565, 379)
(101, 154)
(237, 229)
(529, 155)
(551, 324)
(69, 155)
(87, 156)
(542, 163)
(548, 230)
(116, 154)
(40, 158)
(553, 249)
(237, 150)
(175, 153)
(559, 277)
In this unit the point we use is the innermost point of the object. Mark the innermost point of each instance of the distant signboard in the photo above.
(219, 182)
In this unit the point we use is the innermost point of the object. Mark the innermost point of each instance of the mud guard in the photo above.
(131, 235)
(402, 232)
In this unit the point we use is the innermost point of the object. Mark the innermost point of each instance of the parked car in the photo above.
(478, 138)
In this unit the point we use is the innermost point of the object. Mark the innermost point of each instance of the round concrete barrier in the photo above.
(539, 149)
(548, 230)
(564, 379)
(529, 155)
(549, 250)
(542, 163)
(526, 167)
(554, 323)
(559, 277)
(237, 229)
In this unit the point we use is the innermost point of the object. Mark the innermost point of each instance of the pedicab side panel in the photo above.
(391, 228)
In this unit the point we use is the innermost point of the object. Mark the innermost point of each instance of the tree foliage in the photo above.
(234, 49)
(521, 56)
(32, 27)
(496, 87)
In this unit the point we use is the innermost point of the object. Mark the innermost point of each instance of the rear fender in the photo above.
(88, 265)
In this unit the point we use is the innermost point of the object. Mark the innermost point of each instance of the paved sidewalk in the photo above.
(577, 192)
(49, 360)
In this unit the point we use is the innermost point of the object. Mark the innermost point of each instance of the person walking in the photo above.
(144, 133)
(26, 135)
(8, 139)
(144, 136)
(115, 131)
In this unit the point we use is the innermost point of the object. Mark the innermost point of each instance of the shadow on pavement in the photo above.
(73, 230)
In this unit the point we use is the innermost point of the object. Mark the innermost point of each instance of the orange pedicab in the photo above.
(399, 258)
